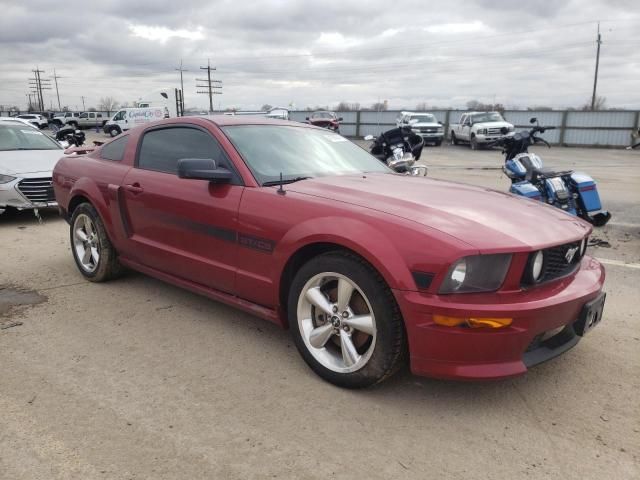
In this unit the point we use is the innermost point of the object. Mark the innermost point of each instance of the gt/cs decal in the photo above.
(256, 243)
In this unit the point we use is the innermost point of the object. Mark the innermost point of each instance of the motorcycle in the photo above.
(399, 149)
(69, 137)
(574, 192)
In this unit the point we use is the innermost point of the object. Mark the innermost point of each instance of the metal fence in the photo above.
(611, 128)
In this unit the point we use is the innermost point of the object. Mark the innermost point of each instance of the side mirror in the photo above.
(440, 123)
(533, 120)
(369, 137)
(504, 130)
(340, 119)
(203, 169)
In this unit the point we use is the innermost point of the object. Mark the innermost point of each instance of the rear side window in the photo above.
(161, 149)
(115, 150)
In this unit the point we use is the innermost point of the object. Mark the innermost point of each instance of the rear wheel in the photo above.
(95, 257)
(345, 322)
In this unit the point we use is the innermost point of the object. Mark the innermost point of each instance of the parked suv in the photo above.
(424, 124)
(66, 117)
(35, 119)
(479, 128)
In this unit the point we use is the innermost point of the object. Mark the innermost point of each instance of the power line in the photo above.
(37, 85)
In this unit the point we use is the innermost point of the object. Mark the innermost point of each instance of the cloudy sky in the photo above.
(299, 53)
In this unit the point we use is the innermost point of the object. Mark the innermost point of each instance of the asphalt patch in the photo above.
(15, 297)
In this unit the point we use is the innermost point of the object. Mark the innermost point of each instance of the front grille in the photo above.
(555, 263)
(37, 189)
(493, 131)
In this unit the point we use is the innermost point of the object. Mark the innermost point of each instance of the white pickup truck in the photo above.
(478, 128)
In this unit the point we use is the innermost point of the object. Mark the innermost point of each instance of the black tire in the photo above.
(114, 131)
(438, 143)
(389, 352)
(454, 139)
(108, 266)
(73, 124)
(473, 143)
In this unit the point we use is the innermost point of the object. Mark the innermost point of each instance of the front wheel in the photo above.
(93, 252)
(114, 131)
(438, 143)
(454, 139)
(473, 143)
(345, 322)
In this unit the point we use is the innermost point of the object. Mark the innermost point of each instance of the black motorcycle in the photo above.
(399, 148)
(70, 137)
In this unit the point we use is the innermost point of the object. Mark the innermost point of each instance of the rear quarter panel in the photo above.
(96, 180)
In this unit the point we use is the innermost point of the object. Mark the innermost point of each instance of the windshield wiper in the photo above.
(271, 183)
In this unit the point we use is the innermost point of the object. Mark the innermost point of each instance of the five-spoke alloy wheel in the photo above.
(95, 257)
(345, 321)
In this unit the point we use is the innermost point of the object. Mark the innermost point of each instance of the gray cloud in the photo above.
(320, 53)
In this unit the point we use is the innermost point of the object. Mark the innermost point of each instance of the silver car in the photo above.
(27, 158)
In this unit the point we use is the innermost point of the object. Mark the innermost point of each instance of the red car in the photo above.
(325, 119)
(367, 268)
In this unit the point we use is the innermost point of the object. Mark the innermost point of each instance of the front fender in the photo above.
(356, 235)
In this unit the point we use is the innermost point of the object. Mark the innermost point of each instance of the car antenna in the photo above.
(281, 191)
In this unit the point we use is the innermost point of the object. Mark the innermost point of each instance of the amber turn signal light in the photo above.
(472, 322)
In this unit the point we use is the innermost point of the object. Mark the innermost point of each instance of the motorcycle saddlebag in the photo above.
(586, 188)
(526, 189)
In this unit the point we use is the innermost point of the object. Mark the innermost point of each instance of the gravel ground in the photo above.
(136, 379)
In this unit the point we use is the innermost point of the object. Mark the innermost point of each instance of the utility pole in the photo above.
(55, 78)
(181, 82)
(209, 85)
(595, 77)
(83, 107)
(38, 85)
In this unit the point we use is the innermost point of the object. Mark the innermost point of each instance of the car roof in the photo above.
(228, 120)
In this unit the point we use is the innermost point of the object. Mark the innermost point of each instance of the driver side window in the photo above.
(161, 149)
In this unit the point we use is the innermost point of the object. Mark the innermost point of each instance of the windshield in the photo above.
(487, 117)
(14, 137)
(425, 118)
(322, 115)
(269, 150)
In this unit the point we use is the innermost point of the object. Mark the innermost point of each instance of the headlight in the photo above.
(534, 270)
(6, 178)
(583, 246)
(482, 131)
(477, 273)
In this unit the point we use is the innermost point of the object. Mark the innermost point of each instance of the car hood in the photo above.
(489, 220)
(493, 124)
(17, 162)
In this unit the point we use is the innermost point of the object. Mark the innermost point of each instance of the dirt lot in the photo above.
(136, 379)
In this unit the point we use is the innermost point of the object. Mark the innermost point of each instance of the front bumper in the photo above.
(16, 194)
(488, 138)
(483, 354)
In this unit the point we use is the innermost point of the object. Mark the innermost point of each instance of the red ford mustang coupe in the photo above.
(367, 268)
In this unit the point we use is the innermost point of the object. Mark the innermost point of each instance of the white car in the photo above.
(27, 158)
(36, 119)
(15, 121)
(424, 124)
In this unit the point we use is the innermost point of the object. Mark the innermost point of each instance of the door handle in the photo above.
(134, 188)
